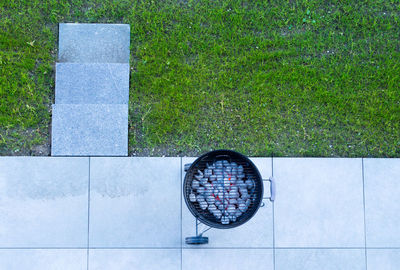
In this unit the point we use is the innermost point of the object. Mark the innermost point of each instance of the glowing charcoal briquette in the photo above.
(233, 180)
(240, 184)
(225, 220)
(250, 183)
(238, 213)
(227, 183)
(195, 184)
(248, 202)
(203, 205)
(210, 199)
(217, 213)
(219, 164)
(242, 207)
(245, 196)
(233, 201)
(233, 194)
(203, 181)
(201, 190)
(200, 198)
(212, 207)
(234, 171)
(231, 209)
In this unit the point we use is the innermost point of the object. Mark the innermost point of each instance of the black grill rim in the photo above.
(237, 156)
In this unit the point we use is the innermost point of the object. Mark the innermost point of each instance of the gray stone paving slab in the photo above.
(94, 43)
(257, 232)
(92, 83)
(43, 202)
(43, 259)
(138, 259)
(135, 202)
(89, 130)
(382, 204)
(232, 259)
(320, 259)
(383, 259)
(319, 202)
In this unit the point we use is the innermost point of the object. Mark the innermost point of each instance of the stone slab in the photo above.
(138, 259)
(232, 259)
(257, 232)
(382, 204)
(43, 202)
(320, 259)
(383, 259)
(87, 83)
(319, 202)
(43, 259)
(89, 130)
(135, 202)
(94, 43)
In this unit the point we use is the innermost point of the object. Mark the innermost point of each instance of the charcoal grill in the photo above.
(230, 159)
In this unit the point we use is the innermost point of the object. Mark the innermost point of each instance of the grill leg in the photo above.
(198, 239)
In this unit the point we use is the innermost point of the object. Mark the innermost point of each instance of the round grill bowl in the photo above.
(250, 171)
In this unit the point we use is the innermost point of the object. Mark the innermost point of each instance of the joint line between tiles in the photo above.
(88, 222)
(273, 217)
(365, 224)
(272, 166)
(33, 248)
(180, 187)
(344, 248)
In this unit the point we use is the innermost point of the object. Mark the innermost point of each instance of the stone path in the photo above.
(90, 114)
(128, 213)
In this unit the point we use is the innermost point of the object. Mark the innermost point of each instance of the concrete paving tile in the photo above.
(320, 259)
(135, 202)
(232, 259)
(43, 202)
(43, 259)
(89, 130)
(383, 259)
(382, 204)
(257, 232)
(94, 43)
(319, 202)
(92, 83)
(138, 259)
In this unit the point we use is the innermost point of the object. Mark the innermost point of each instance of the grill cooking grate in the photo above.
(250, 172)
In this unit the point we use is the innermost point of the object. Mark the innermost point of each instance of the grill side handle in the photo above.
(272, 188)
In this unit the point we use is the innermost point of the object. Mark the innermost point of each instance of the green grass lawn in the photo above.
(303, 78)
